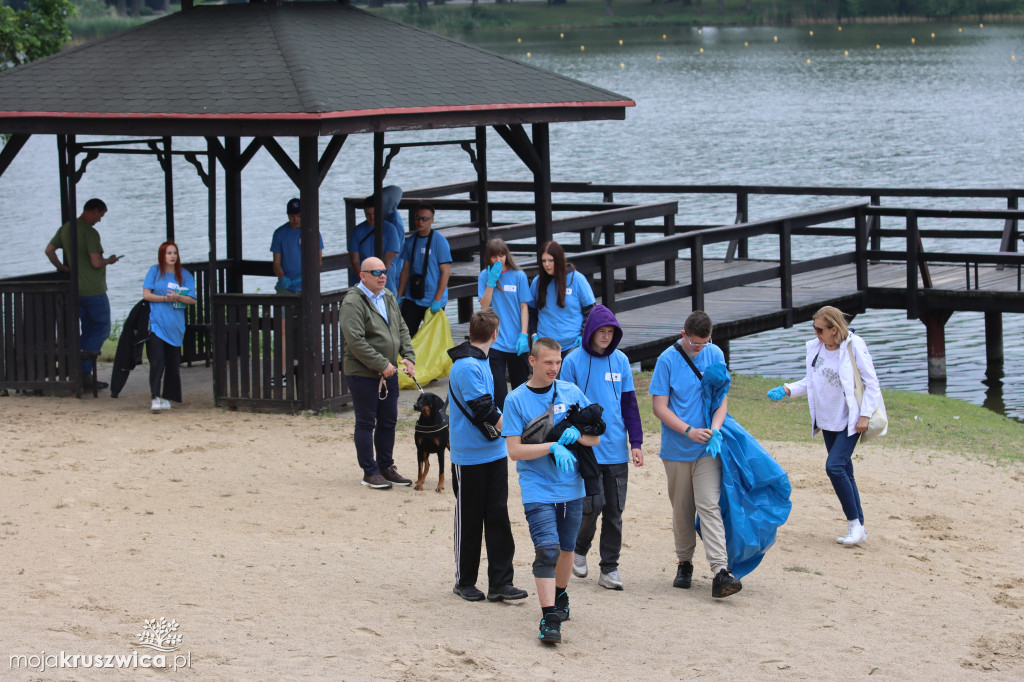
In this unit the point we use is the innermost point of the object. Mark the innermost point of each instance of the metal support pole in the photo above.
(233, 211)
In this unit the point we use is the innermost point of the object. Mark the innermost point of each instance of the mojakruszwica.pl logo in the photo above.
(159, 636)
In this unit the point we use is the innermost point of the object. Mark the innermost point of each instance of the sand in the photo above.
(253, 534)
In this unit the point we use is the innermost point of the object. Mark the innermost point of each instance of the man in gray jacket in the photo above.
(375, 338)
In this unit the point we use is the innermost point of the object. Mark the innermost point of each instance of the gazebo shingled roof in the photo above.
(314, 68)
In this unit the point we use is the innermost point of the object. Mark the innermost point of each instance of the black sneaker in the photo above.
(550, 629)
(684, 575)
(724, 585)
(562, 606)
(469, 592)
(509, 592)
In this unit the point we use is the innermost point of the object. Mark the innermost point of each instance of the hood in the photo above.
(466, 350)
(600, 317)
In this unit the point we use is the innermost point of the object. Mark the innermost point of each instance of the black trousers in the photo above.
(165, 362)
(608, 504)
(481, 508)
(518, 372)
(413, 314)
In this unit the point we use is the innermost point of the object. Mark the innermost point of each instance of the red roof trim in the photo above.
(323, 115)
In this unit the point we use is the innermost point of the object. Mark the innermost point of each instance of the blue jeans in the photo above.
(554, 524)
(839, 467)
(375, 422)
(94, 314)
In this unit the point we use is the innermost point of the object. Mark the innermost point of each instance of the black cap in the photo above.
(294, 206)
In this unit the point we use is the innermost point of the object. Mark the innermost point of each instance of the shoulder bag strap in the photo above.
(426, 254)
(700, 377)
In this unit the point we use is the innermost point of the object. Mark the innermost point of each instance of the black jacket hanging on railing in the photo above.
(129, 346)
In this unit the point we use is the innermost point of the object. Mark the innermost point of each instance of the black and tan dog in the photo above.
(431, 436)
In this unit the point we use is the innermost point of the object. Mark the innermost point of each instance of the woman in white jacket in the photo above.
(829, 385)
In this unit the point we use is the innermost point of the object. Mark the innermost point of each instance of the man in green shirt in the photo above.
(93, 304)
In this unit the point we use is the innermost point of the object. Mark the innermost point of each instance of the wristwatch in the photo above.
(687, 431)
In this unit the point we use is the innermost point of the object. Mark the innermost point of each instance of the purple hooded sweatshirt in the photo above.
(599, 317)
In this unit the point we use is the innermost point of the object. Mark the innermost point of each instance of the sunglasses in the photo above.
(376, 273)
(819, 330)
(423, 218)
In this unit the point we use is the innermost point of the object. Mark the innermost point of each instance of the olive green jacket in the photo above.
(370, 342)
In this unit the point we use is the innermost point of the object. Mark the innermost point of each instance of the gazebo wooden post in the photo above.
(68, 202)
(378, 198)
(542, 183)
(167, 166)
(482, 202)
(311, 362)
(212, 276)
(233, 211)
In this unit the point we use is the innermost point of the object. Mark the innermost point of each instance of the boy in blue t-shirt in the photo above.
(479, 468)
(549, 479)
(602, 372)
(286, 245)
(689, 449)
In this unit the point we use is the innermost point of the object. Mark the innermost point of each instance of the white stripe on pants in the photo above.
(694, 488)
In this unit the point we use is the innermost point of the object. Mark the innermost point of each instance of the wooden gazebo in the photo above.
(241, 76)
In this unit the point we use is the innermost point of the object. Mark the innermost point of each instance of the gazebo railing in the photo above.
(39, 344)
(257, 344)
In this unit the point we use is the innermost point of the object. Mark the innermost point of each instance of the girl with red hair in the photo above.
(169, 290)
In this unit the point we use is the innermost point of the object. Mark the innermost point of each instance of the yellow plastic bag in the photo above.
(431, 343)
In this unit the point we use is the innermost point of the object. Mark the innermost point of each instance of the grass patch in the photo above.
(917, 421)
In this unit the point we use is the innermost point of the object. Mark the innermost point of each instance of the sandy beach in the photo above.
(253, 533)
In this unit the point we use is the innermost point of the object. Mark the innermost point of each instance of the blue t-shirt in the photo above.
(603, 381)
(563, 324)
(511, 290)
(539, 479)
(288, 242)
(166, 321)
(674, 378)
(414, 251)
(469, 379)
(363, 242)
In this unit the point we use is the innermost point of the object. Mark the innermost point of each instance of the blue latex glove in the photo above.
(714, 444)
(288, 282)
(522, 343)
(578, 341)
(435, 307)
(777, 393)
(400, 299)
(564, 460)
(493, 273)
(569, 436)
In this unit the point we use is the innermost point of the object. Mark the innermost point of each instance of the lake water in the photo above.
(931, 106)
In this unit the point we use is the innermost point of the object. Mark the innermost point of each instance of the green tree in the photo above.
(39, 30)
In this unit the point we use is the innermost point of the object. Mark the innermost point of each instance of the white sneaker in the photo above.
(857, 535)
(166, 404)
(157, 405)
(849, 532)
(610, 580)
(579, 565)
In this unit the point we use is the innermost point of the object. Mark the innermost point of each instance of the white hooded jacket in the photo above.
(872, 391)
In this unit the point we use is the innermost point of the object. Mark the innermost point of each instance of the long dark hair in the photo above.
(562, 267)
(162, 258)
